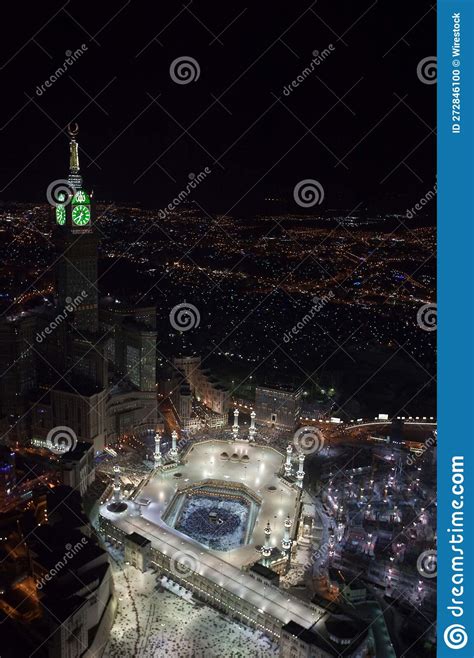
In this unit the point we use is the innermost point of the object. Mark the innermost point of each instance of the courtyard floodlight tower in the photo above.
(252, 428)
(235, 427)
(288, 466)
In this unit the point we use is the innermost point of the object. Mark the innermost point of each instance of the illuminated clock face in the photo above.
(81, 215)
(60, 215)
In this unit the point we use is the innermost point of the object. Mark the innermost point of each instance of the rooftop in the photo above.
(318, 636)
(138, 539)
(264, 571)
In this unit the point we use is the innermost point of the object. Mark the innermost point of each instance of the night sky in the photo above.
(141, 134)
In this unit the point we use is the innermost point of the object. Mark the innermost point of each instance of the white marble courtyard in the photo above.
(154, 624)
(259, 472)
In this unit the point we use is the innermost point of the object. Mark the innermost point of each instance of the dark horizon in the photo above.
(251, 127)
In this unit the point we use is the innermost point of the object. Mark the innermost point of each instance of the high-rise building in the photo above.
(64, 364)
(203, 385)
(278, 407)
(7, 472)
(131, 343)
(182, 399)
(131, 354)
(17, 368)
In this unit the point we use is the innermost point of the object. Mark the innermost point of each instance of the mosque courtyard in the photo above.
(221, 465)
(152, 622)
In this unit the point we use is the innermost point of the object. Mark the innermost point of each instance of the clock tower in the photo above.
(77, 243)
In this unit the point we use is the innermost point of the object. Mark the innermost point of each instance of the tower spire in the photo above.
(75, 177)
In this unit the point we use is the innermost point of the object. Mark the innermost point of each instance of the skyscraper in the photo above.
(68, 364)
(77, 242)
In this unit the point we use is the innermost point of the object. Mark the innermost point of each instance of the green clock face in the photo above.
(81, 215)
(60, 215)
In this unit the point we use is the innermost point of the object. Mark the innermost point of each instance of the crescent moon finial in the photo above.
(73, 129)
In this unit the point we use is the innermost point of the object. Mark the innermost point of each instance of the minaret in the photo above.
(288, 466)
(235, 427)
(174, 449)
(300, 472)
(157, 455)
(117, 491)
(266, 548)
(286, 541)
(252, 428)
